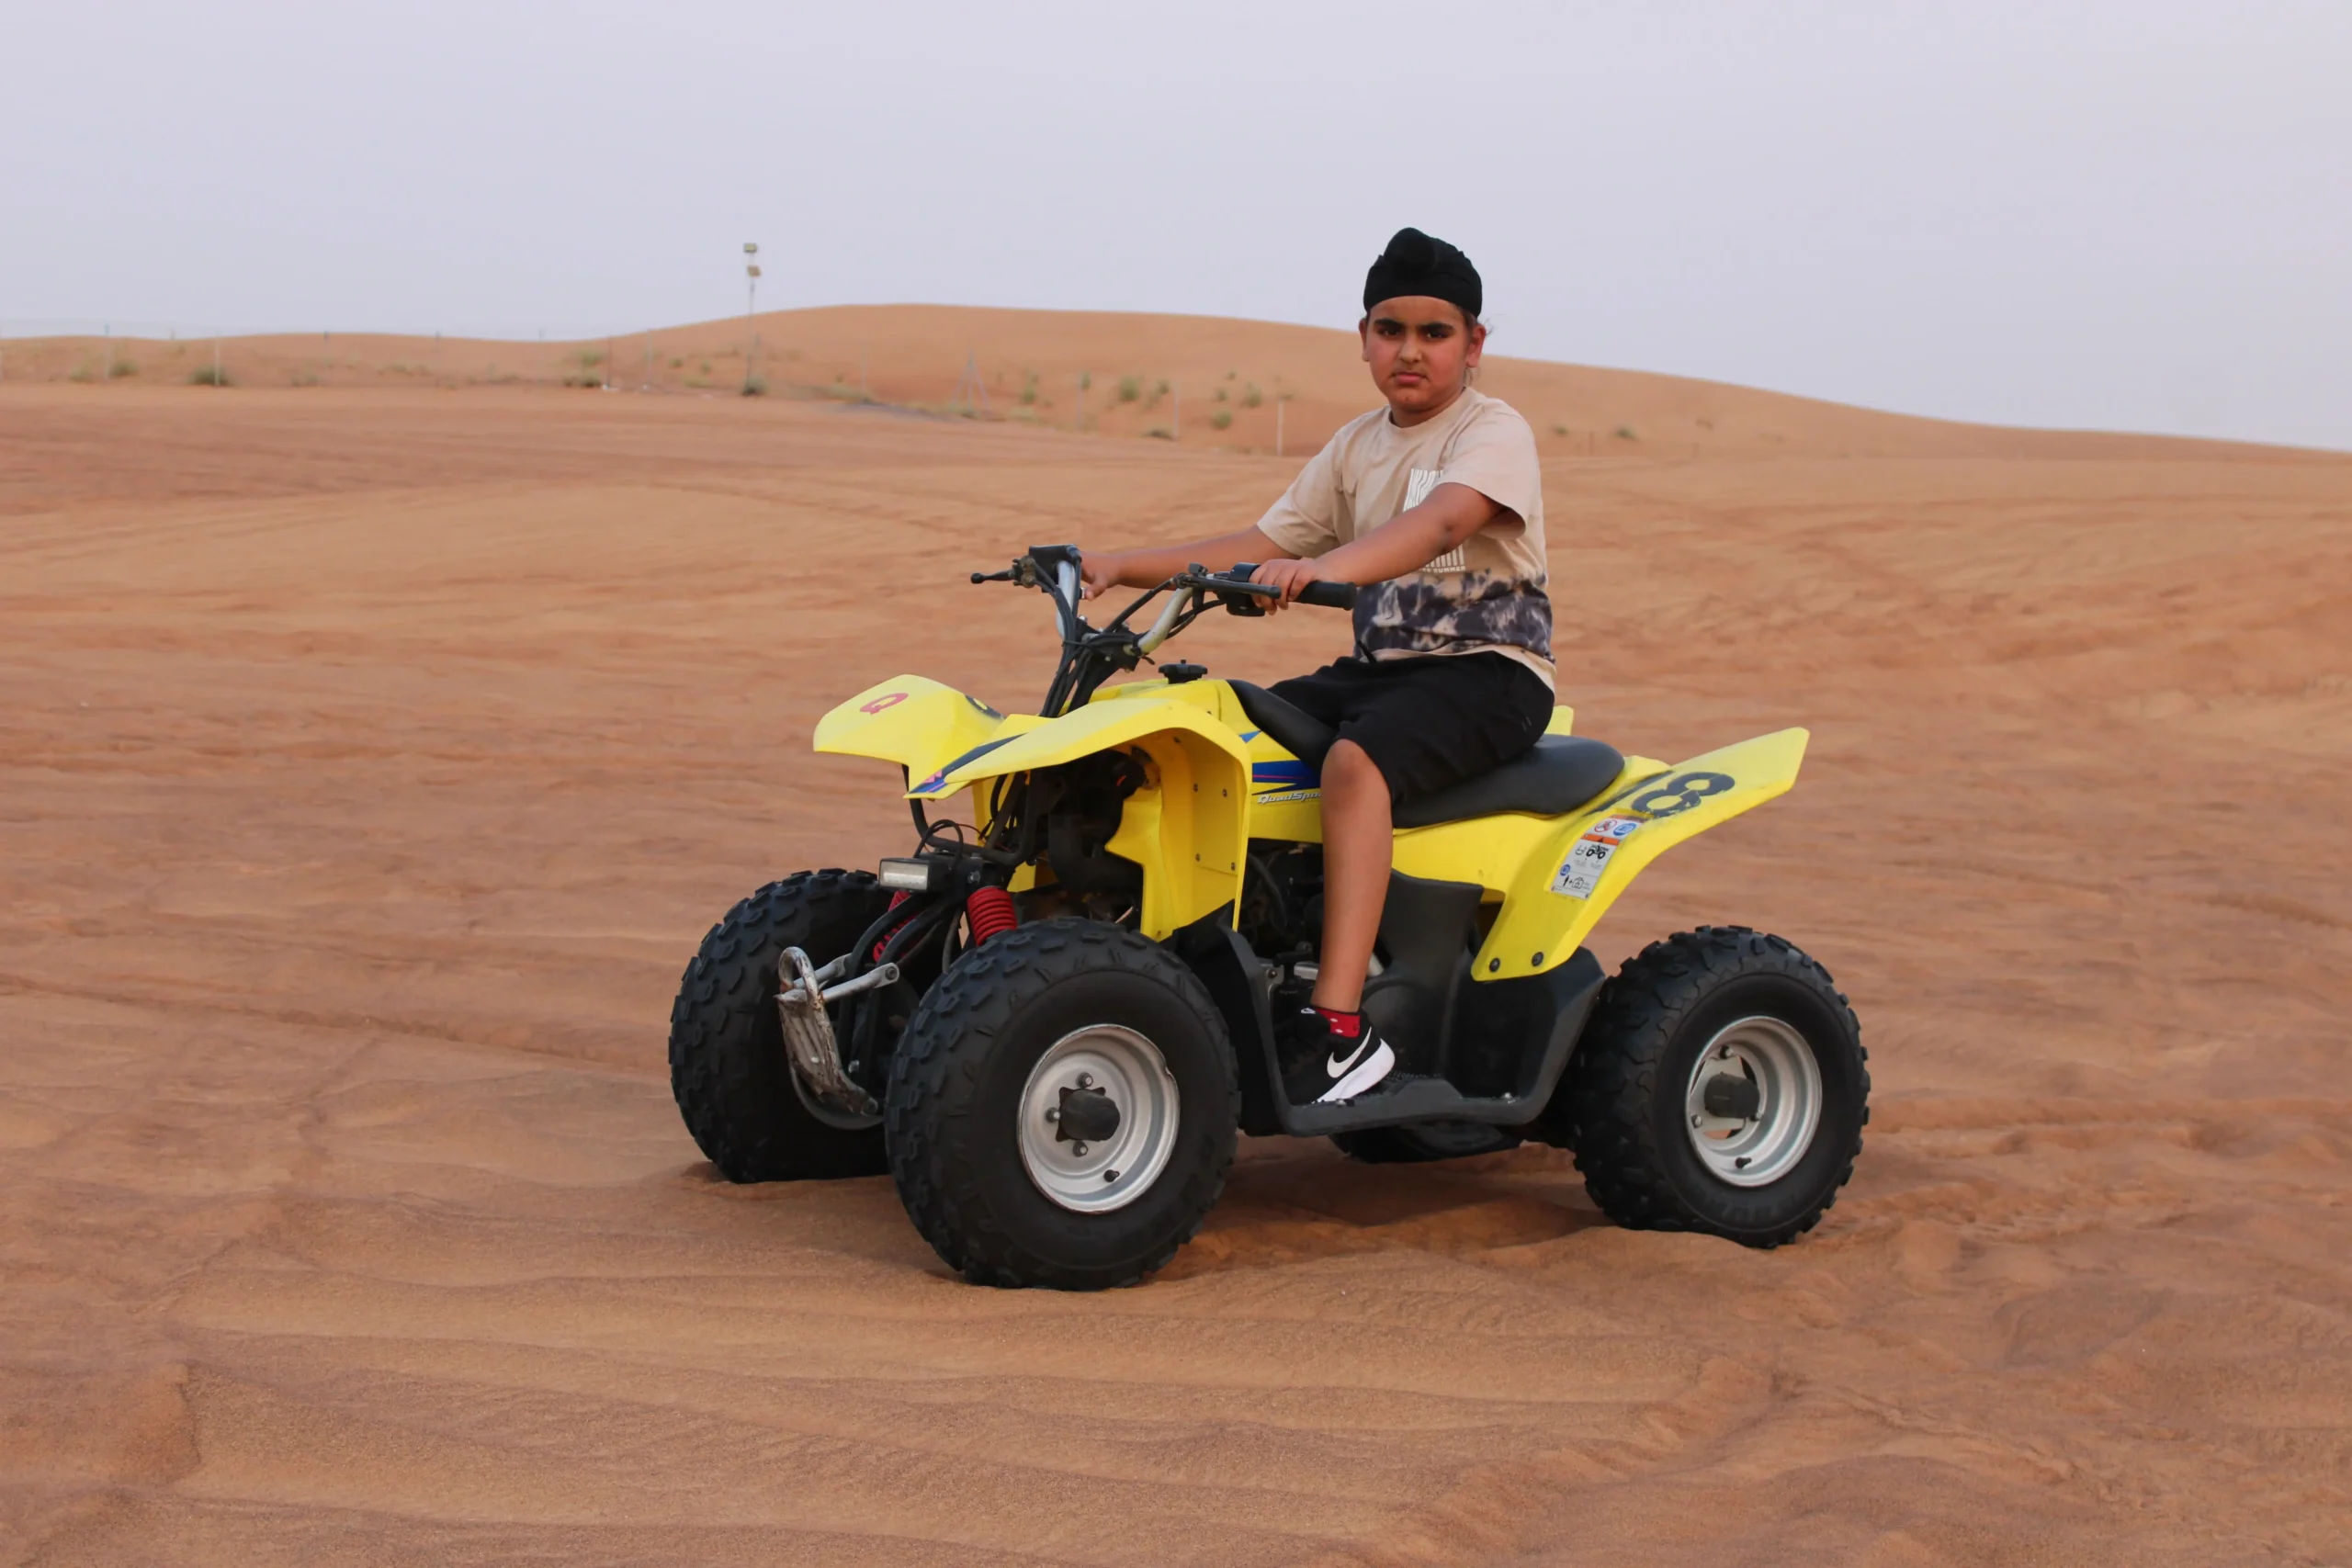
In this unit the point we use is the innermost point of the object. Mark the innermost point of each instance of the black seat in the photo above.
(1302, 734)
(1562, 772)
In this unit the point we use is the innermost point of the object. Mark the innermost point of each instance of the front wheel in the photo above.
(729, 1069)
(1062, 1108)
(1721, 1086)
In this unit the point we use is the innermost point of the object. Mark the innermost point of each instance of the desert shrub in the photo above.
(1626, 432)
(304, 379)
(121, 368)
(1220, 395)
(589, 358)
(1221, 419)
(1029, 386)
(755, 386)
(209, 376)
(1130, 388)
(1559, 430)
(677, 363)
(1250, 395)
(1160, 433)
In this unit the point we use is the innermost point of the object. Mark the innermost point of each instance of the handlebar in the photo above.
(1321, 593)
(1328, 596)
(1061, 561)
(1054, 569)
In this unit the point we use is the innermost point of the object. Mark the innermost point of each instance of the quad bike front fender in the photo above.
(914, 721)
(1561, 890)
(1188, 827)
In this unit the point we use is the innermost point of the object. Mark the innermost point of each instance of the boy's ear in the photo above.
(1364, 336)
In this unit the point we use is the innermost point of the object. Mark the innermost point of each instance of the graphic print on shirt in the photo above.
(1416, 491)
(1422, 614)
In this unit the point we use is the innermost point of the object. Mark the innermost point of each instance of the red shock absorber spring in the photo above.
(896, 899)
(990, 912)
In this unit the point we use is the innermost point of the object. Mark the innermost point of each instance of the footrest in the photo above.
(1405, 1096)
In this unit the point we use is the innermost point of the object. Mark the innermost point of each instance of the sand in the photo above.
(374, 758)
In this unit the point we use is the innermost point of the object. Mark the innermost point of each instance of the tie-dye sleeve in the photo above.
(1305, 521)
(1494, 454)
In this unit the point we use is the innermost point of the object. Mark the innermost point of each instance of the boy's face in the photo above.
(1420, 350)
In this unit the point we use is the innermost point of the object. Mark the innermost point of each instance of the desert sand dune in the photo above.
(374, 758)
(1203, 382)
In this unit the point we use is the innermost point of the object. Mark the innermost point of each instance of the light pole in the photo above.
(750, 311)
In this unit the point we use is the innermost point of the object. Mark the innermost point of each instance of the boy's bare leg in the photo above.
(1357, 848)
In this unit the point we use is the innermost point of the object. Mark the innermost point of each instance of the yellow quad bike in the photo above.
(1049, 1022)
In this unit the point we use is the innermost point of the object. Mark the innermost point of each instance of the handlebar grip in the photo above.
(1329, 595)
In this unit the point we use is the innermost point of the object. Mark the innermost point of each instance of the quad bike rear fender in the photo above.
(1572, 875)
(1186, 827)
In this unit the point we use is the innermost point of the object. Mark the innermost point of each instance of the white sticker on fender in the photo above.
(1588, 856)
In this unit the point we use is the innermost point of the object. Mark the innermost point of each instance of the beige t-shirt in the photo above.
(1485, 596)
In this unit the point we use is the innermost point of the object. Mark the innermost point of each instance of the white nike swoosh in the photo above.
(1375, 1068)
(1337, 1066)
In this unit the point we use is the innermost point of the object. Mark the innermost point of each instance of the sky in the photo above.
(2105, 215)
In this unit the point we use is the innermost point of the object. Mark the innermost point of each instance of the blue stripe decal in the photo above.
(1282, 774)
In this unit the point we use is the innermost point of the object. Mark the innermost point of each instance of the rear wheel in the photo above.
(1417, 1143)
(1721, 1086)
(729, 1069)
(1062, 1108)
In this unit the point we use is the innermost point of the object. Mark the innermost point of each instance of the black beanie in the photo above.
(1416, 264)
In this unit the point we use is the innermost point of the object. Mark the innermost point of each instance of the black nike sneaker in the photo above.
(1322, 1065)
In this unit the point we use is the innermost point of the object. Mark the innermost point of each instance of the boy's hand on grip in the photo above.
(1291, 576)
(1098, 574)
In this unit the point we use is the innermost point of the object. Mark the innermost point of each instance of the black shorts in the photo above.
(1428, 723)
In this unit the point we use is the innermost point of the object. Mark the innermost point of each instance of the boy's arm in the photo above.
(1407, 542)
(1151, 566)
(1303, 516)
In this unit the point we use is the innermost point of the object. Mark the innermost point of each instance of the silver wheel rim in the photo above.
(1757, 1150)
(1129, 1071)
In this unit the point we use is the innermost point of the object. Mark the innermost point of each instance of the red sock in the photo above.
(1348, 1025)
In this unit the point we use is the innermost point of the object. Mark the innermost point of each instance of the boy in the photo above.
(1435, 505)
